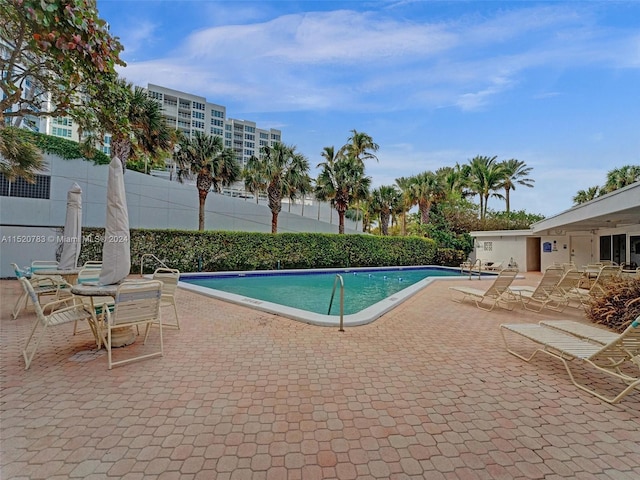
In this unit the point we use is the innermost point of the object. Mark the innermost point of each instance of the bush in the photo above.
(191, 251)
(618, 306)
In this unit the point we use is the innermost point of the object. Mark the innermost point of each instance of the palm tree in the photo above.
(406, 200)
(360, 146)
(280, 171)
(485, 177)
(213, 165)
(342, 181)
(621, 177)
(385, 200)
(587, 195)
(426, 189)
(137, 128)
(515, 172)
(18, 158)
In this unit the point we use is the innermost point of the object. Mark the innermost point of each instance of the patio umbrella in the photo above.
(71, 238)
(116, 255)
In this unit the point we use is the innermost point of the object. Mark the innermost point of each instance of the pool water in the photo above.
(311, 291)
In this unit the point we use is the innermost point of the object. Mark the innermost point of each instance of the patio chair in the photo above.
(617, 358)
(596, 288)
(582, 330)
(169, 278)
(497, 294)
(543, 295)
(568, 287)
(42, 287)
(493, 267)
(136, 304)
(65, 310)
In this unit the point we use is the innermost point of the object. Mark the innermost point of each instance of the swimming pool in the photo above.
(305, 295)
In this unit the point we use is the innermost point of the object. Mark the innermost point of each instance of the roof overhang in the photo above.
(619, 208)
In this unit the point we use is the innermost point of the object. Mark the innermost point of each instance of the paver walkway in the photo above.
(426, 391)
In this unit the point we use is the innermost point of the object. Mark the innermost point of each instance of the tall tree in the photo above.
(406, 200)
(583, 196)
(385, 199)
(485, 178)
(17, 157)
(515, 172)
(621, 177)
(213, 165)
(426, 189)
(360, 146)
(280, 171)
(57, 50)
(342, 181)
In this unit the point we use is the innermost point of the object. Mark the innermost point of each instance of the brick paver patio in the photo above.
(426, 391)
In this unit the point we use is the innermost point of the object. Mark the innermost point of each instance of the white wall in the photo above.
(152, 202)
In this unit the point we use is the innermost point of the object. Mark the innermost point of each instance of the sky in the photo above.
(553, 84)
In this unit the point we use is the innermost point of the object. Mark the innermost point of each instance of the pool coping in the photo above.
(363, 317)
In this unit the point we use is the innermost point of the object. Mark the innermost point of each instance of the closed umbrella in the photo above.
(71, 238)
(116, 253)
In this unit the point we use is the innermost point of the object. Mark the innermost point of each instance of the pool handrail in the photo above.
(333, 292)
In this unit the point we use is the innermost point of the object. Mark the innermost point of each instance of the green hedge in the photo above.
(211, 251)
(64, 148)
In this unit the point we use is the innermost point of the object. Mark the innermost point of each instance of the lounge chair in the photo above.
(596, 288)
(582, 330)
(169, 278)
(136, 304)
(497, 294)
(42, 287)
(623, 352)
(544, 295)
(568, 287)
(493, 267)
(65, 310)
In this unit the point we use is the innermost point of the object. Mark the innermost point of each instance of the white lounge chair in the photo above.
(544, 295)
(169, 278)
(617, 358)
(497, 294)
(65, 310)
(136, 304)
(42, 287)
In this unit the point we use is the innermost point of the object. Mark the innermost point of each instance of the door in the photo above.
(581, 250)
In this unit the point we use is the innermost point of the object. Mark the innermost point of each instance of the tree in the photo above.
(426, 189)
(485, 178)
(587, 195)
(57, 50)
(280, 171)
(342, 181)
(515, 172)
(621, 177)
(17, 157)
(406, 200)
(134, 120)
(213, 165)
(360, 146)
(385, 199)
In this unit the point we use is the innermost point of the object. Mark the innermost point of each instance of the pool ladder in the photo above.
(333, 293)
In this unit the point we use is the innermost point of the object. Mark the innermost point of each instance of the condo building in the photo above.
(192, 113)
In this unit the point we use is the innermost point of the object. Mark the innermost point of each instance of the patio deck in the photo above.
(426, 391)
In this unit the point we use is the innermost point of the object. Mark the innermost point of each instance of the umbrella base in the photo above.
(121, 337)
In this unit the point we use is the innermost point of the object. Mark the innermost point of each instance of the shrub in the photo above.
(618, 306)
(191, 251)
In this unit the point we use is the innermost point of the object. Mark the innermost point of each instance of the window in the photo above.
(199, 115)
(249, 136)
(197, 124)
(216, 131)
(216, 122)
(250, 129)
(21, 188)
(217, 114)
(488, 246)
(61, 132)
(275, 138)
(198, 106)
(264, 135)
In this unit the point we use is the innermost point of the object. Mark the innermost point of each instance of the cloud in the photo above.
(347, 60)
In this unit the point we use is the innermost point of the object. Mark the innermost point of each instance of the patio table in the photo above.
(70, 275)
(120, 337)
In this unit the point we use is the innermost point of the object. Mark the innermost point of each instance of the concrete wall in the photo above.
(28, 227)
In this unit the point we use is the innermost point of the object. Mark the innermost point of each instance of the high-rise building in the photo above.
(192, 113)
